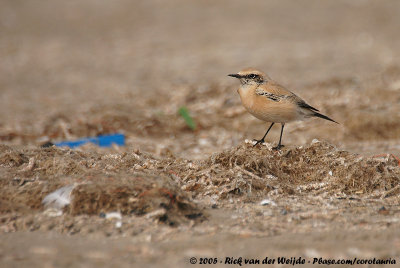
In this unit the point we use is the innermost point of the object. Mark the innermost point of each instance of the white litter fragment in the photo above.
(59, 198)
(267, 202)
(314, 141)
(203, 142)
(52, 212)
(156, 213)
(113, 215)
(330, 173)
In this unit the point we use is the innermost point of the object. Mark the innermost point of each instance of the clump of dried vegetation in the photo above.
(139, 183)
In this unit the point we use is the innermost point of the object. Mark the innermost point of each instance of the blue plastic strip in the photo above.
(102, 141)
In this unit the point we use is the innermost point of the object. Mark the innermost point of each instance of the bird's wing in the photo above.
(276, 92)
(304, 105)
(269, 95)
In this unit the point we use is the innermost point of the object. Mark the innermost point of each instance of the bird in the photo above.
(269, 101)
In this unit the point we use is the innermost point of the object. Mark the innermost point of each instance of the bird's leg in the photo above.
(262, 140)
(280, 139)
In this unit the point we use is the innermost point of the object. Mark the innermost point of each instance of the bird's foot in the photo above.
(277, 148)
(258, 142)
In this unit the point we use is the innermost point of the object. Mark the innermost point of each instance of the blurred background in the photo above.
(72, 69)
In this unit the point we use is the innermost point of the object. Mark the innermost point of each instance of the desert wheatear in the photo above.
(268, 101)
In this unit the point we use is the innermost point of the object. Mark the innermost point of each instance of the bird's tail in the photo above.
(323, 117)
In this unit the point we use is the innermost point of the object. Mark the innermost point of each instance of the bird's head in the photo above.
(251, 76)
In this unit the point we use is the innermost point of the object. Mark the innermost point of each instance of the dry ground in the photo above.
(72, 69)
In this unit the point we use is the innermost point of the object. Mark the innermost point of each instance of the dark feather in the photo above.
(269, 95)
(324, 117)
(302, 104)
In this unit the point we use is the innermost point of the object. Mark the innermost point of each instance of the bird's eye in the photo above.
(252, 76)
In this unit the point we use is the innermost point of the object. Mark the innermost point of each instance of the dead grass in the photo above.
(292, 169)
(139, 183)
(105, 183)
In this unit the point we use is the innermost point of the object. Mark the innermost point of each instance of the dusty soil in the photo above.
(72, 70)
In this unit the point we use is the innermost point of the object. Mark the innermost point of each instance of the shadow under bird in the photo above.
(270, 102)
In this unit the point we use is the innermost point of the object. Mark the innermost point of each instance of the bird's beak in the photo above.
(235, 75)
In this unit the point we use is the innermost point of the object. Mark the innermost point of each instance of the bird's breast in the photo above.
(266, 109)
(246, 97)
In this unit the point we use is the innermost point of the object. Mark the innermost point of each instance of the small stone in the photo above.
(267, 202)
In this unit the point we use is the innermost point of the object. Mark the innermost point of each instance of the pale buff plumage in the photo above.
(270, 102)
